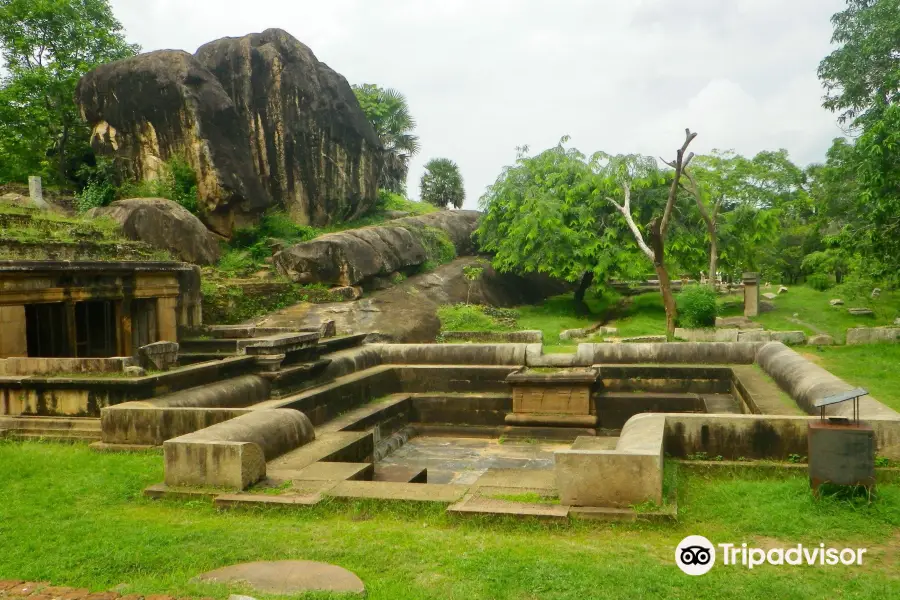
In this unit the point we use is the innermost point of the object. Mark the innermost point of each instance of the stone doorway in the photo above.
(46, 330)
(95, 329)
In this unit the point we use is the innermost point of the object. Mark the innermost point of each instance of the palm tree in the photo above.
(442, 184)
(389, 114)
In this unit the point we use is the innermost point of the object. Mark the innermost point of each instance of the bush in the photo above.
(177, 183)
(819, 281)
(439, 249)
(95, 194)
(697, 306)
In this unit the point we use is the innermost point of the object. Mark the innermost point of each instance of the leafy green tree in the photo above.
(442, 184)
(863, 74)
(546, 214)
(389, 114)
(47, 45)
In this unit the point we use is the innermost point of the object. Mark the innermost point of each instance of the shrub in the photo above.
(697, 306)
(94, 195)
(177, 182)
(439, 248)
(819, 281)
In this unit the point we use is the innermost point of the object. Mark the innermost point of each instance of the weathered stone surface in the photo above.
(350, 257)
(165, 225)
(872, 335)
(159, 356)
(348, 292)
(876, 293)
(782, 290)
(807, 382)
(234, 453)
(134, 372)
(836, 302)
(645, 339)
(861, 312)
(770, 296)
(289, 577)
(261, 121)
(821, 340)
(408, 312)
(310, 142)
(707, 335)
(149, 108)
(791, 338)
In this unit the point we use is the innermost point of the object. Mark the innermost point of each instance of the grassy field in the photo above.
(74, 517)
(875, 367)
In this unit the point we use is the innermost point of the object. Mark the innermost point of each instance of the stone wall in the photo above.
(872, 335)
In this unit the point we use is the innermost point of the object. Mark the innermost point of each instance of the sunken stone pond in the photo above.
(262, 416)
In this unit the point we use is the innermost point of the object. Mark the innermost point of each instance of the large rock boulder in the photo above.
(312, 145)
(150, 108)
(408, 312)
(260, 120)
(359, 255)
(165, 225)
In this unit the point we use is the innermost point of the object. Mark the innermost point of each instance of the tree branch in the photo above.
(625, 209)
(680, 164)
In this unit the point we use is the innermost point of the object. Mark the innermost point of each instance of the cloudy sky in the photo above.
(485, 76)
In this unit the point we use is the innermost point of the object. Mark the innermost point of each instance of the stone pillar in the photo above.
(36, 192)
(71, 329)
(13, 339)
(167, 319)
(751, 294)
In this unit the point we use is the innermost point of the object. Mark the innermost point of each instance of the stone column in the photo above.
(13, 337)
(36, 192)
(751, 294)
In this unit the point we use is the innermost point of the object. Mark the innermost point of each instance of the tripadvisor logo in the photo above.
(696, 555)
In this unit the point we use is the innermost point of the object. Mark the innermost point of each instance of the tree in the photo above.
(389, 114)
(545, 214)
(47, 45)
(442, 184)
(863, 74)
(630, 173)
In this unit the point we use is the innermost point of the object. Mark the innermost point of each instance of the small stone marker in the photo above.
(36, 192)
(751, 294)
(836, 302)
(782, 290)
(876, 293)
(821, 340)
(861, 312)
(770, 296)
(289, 577)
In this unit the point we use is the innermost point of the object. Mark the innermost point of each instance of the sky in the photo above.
(483, 77)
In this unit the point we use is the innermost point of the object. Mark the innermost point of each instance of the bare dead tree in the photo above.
(710, 216)
(658, 227)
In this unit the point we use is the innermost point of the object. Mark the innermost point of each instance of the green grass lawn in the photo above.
(875, 367)
(816, 315)
(74, 517)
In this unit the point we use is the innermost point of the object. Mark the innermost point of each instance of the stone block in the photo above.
(861, 312)
(233, 454)
(770, 296)
(755, 335)
(820, 340)
(159, 356)
(872, 335)
(707, 335)
(836, 302)
(789, 338)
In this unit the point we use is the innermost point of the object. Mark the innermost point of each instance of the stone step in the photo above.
(340, 446)
(476, 504)
(50, 423)
(53, 435)
(400, 474)
(384, 490)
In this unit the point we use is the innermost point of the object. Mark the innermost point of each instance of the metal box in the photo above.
(842, 454)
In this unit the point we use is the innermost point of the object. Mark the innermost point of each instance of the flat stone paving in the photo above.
(464, 460)
(289, 577)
